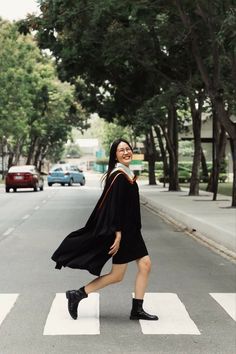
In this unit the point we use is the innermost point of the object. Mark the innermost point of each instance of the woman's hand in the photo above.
(116, 245)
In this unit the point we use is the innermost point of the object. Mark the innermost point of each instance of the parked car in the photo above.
(25, 176)
(66, 174)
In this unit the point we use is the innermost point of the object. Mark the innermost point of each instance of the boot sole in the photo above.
(136, 318)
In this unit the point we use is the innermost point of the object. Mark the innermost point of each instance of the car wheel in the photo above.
(50, 184)
(70, 182)
(62, 184)
(7, 189)
(36, 187)
(41, 188)
(14, 189)
(83, 182)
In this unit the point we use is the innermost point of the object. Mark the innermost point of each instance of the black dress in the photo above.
(118, 209)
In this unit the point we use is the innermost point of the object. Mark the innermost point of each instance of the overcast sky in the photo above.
(17, 9)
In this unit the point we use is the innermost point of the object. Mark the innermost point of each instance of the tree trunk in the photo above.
(204, 166)
(218, 154)
(163, 154)
(233, 150)
(151, 155)
(173, 152)
(43, 155)
(31, 150)
(37, 155)
(197, 123)
(195, 178)
(18, 150)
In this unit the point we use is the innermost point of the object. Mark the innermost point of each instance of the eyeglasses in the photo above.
(122, 151)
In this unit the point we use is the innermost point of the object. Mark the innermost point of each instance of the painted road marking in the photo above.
(227, 301)
(6, 233)
(26, 217)
(7, 301)
(173, 316)
(59, 321)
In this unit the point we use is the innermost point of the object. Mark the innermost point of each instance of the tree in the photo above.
(122, 54)
(36, 109)
(216, 64)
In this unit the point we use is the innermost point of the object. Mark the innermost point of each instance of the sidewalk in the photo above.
(213, 222)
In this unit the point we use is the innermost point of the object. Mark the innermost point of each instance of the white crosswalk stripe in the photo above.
(227, 301)
(7, 301)
(174, 319)
(59, 321)
(173, 316)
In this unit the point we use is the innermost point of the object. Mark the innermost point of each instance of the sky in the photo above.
(17, 9)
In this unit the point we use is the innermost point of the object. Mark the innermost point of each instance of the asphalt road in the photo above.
(191, 288)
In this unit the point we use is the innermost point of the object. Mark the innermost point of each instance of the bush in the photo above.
(203, 178)
(222, 177)
(184, 176)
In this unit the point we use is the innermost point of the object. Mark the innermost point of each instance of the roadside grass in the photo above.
(223, 188)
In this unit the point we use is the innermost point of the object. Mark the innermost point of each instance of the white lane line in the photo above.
(59, 321)
(25, 217)
(7, 301)
(227, 301)
(6, 233)
(173, 316)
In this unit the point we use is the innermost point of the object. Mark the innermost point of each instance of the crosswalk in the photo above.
(7, 301)
(59, 323)
(174, 318)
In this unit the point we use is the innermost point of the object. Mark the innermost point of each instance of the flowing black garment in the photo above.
(118, 209)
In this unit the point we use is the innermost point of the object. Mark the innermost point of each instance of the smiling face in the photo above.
(124, 153)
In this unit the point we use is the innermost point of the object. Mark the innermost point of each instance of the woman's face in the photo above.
(124, 154)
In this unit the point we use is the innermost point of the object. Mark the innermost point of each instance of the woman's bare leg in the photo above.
(144, 267)
(116, 275)
(137, 311)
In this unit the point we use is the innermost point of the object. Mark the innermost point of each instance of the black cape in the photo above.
(117, 209)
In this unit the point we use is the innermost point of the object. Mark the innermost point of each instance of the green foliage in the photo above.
(37, 111)
(134, 61)
(72, 150)
(114, 131)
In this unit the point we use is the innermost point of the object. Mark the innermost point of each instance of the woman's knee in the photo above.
(116, 277)
(117, 273)
(145, 264)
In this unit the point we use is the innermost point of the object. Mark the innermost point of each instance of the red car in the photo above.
(26, 176)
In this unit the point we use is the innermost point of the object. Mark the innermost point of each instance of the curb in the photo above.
(200, 231)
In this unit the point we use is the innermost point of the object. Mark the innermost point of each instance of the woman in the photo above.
(113, 230)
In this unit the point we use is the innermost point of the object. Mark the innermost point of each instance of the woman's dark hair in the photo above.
(112, 157)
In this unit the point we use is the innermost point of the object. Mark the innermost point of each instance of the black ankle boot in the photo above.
(74, 297)
(138, 313)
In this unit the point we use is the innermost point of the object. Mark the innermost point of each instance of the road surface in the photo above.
(191, 288)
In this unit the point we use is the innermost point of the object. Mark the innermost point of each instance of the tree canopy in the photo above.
(121, 55)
